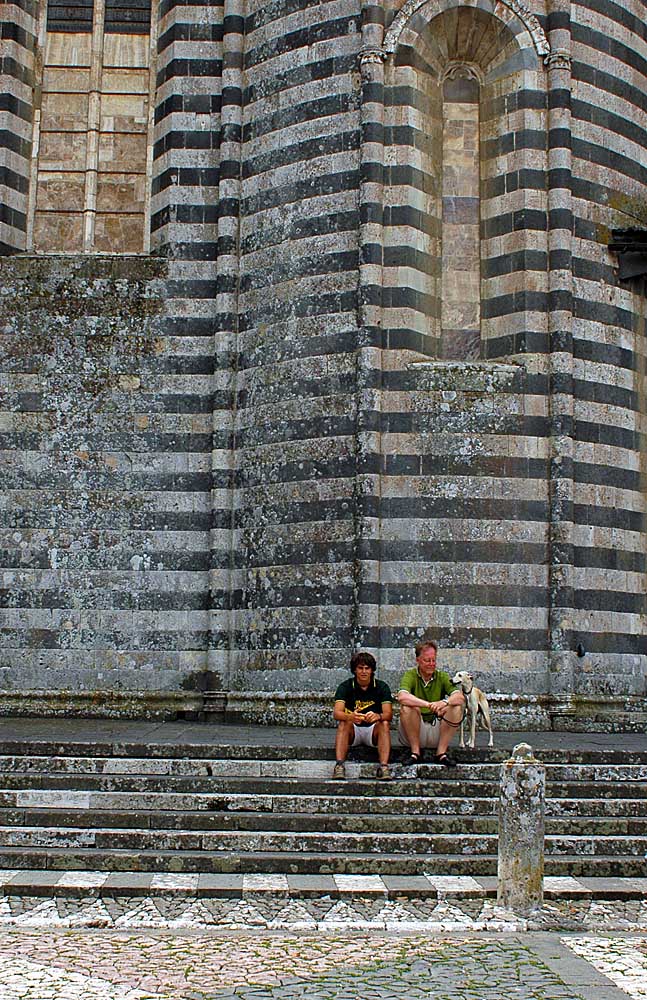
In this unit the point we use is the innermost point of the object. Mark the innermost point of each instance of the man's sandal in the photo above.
(444, 760)
(413, 758)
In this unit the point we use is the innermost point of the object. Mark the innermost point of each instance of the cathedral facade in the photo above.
(322, 326)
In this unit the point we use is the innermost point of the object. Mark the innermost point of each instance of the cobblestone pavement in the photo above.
(107, 965)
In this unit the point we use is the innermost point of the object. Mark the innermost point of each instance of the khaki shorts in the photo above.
(429, 733)
(363, 736)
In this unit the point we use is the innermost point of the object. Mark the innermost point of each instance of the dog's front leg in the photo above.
(473, 714)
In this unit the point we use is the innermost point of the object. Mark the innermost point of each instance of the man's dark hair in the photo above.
(427, 644)
(362, 657)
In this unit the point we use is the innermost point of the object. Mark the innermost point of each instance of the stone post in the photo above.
(521, 832)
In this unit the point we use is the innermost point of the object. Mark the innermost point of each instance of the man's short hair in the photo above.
(427, 644)
(362, 658)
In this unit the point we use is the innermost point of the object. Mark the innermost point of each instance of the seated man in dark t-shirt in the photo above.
(363, 712)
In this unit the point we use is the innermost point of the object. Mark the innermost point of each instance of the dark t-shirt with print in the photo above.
(356, 699)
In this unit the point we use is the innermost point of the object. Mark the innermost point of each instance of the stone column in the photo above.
(521, 832)
(369, 352)
(560, 325)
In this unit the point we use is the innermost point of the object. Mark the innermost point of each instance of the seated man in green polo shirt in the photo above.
(431, 707)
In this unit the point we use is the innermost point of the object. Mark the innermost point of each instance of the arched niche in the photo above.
(483, 299)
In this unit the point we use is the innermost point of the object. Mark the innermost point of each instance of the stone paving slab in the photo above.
(305, 742)
(50, 964)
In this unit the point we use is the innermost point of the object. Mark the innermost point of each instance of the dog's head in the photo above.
(463, 678)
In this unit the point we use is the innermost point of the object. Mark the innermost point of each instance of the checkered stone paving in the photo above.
(42, 964)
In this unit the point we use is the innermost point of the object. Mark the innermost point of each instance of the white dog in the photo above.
(476, 705)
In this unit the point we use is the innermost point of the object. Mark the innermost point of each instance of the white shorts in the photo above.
(363, 736)
(429, 733)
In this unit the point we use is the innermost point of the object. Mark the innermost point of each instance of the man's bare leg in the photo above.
(410, 719)
(447, 733)
(382, 736)
(343, 739)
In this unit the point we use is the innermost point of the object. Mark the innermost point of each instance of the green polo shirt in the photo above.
(440, 686)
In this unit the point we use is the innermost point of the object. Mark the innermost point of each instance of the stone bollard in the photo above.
(521, 832)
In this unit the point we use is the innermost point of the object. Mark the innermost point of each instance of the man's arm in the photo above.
(406, 698)
(341, 714)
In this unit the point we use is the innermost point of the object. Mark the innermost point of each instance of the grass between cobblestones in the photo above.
(111, 965)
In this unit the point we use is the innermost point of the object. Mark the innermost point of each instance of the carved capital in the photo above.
(370, 57)
(558, 59)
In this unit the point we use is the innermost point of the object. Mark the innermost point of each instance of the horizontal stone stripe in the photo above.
(605, 127)
(618, 85)
(410, 257)
(317, 304)
(13, 218)
(188, 8)
(293, 228)
(11, 104)
(277, 14)
(14, 143)
(109, 595)
(621, 602)
(192, 31)
(312, 187)
(420, 507)
(609, 14)
(324, 69)
(311, 265)
(185, 482)
(519, 261)
(18, 517)
(603, 312)
(406, 216)
(524, 178)
(309, 429)
(589, 350)
(11, 31)
(83, 638)
(299, 152)
(190, 214)
(609, 517)
(304, 470)
(611, 639)
(606, 394)
(621, 437)
(187, 104)
(16, 182)
(593, 270)
(301, 38)
(609, 158)
(177, 69)
(186, 138)
(314, 112)
(599, 557)
(15, 70)
(606, 475)
(105, 557)
(451, 636)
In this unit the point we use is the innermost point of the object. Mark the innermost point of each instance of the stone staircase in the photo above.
(229, 810)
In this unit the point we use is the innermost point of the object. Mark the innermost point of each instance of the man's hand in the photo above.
(371, 717)
(438, 708)
(356, 717)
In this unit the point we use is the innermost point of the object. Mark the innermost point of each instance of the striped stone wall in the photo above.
(308, 463)
(295, 424)
(18, 31)
(609, 67)
(105, 510)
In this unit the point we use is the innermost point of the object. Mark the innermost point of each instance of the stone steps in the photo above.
(206, 810)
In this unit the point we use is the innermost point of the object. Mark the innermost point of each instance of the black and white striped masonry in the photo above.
(348, 424)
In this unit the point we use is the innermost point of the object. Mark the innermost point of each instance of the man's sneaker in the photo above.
(383, 772)
(339, 772)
